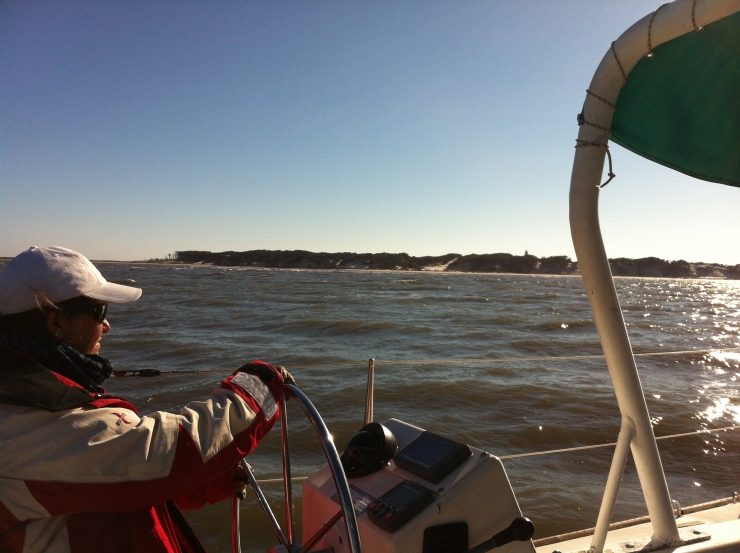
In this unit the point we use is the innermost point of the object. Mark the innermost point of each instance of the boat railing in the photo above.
(622, 445)
(375, 362)
(554, 451)
(371, 365)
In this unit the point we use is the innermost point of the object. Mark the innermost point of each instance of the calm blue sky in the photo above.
(129, 130)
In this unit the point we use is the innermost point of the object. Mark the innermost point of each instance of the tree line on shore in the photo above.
(451, 262)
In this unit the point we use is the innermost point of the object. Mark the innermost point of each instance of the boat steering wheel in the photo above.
(347, 512)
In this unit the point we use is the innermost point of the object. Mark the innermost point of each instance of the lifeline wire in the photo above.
(551, 358)
(551, 451)
(611, 444)
(435, 361)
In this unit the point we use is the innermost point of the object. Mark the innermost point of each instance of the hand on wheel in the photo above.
(267, 372)
(287, 377)
(240, 482)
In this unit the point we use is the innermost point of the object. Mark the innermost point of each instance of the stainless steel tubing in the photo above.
(289, 515)
(340, 480)
(626, 434)
(265, 506)
(236, 545)
(370, 400)
(309, 545)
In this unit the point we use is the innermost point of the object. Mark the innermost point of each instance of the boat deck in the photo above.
(721, 523)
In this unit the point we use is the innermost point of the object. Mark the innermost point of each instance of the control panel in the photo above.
(435, 491)
(399, 505)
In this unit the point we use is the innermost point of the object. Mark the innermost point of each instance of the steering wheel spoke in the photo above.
(265, 505)
(347, 512)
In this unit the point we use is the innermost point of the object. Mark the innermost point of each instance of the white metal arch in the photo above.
(670, 21)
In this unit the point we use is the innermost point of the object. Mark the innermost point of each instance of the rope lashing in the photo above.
(584, 144)
(650, 53)
(619, 63)
(582, 121)
(693, 18)
(603, 100)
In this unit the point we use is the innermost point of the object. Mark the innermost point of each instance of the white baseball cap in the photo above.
(58, 274)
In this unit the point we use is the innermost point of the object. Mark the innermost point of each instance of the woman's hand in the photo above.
(240, 482)
(287, 377)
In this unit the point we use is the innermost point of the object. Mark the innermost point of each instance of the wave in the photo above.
(563, 325)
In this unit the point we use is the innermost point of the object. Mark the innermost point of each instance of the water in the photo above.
(215, 318)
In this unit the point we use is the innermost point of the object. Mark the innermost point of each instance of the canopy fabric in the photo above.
(681, 108)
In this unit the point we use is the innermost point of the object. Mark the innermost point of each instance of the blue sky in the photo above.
(129, 130)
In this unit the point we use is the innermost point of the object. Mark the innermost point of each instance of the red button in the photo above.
(388, 516)
(373, 506)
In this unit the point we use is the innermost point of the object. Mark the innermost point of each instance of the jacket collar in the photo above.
(24, 381)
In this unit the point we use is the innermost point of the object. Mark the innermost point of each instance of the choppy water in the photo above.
(211, 318)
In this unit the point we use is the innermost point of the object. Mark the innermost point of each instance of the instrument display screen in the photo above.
(403, 495)
(432, 457)
(428, 451)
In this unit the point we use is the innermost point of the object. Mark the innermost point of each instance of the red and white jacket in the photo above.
(84, 473)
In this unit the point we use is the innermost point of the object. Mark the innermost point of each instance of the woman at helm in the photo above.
(80, 470)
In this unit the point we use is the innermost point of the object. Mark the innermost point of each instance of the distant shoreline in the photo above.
(397, 271)
(452, 263)
(483, 264)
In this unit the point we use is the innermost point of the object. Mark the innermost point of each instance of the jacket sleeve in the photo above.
(110, 460)
(218, 489)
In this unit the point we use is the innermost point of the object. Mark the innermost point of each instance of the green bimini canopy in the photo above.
(681, 108)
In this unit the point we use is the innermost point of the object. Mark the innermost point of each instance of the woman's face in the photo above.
(81, 331)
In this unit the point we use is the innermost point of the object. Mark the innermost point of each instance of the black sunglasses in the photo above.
(97, 310)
